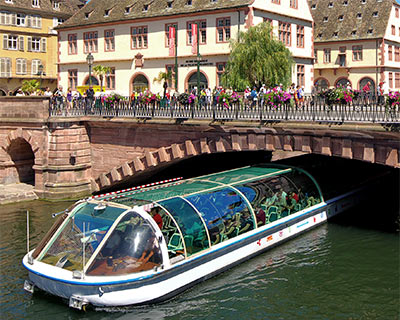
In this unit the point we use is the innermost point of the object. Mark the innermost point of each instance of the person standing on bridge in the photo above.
(89, 98)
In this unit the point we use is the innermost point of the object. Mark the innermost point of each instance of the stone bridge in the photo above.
(77, 156)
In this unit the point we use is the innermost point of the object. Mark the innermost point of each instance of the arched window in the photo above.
(95, 82)
(192, 82)
(342, 82)
(364, 81)
(321, 84)
(140, 83)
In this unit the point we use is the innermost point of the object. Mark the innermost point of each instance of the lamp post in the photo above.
(89, 60)
(40, 73)
(176, 57)
(198, 61)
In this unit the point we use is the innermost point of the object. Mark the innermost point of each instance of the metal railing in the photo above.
(365, 109)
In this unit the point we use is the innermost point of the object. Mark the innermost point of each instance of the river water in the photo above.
(337, 271)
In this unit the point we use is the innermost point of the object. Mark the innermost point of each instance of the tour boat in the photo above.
(146, 244)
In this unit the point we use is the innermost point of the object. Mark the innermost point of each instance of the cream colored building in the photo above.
(29, 42)
(131, 37)
(356, 41)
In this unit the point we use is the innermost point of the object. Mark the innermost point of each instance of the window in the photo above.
(330, 5)
(35, 66)
(20, 20)
(393, 30)
(145, 8)
(72, 78)
(397, 80)
(313, 7)
(396, 53)
(35, 21)
(315, 56)
(340, 18)
(90, 41)
(300, 75)
(357, 53)
(370, 31)
(327, 55)
(390, 84)
(72, 44)
(35, 3)
(325, 19)
(220, 71)
(345, 2)
(375, 14)
(109, 40)
(56, 5)
(390, 53)
(37, 44)
(110, 80)
(5, 67)
(396, 12)
(276, 1)
(139, 37)
(10, 42)
(300, 37)
(202, 31)
(354, 33)
(167, 27)
(9, 1)
(20, 66)
(223, 29)
(293, 4)
(285, 33)
(359, 15)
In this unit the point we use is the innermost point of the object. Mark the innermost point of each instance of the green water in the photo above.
(337, 271)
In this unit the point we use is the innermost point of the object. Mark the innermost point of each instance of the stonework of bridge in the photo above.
(77, 156)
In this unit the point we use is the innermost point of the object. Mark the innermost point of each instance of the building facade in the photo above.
(132, 38)
(29, 41)
(356, 41)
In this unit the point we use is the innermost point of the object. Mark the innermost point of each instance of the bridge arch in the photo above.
(20, 154)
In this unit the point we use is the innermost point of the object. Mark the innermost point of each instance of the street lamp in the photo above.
(40, 73)
(89, 60)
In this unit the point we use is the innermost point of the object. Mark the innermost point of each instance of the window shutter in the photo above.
(21, 43)
(8, 66)
(29, 43)
(13, 19)
(28, 21)
(5, 41)
(43, 44)
(3, 17)
(39, 22)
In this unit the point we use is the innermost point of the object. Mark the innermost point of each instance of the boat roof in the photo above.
(182, 188)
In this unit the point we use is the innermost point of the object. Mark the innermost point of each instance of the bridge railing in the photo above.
(364, 109)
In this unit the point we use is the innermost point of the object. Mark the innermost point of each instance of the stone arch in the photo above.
(343, 80)
(136, 74)
(191, 73)
(22, 153)
(355, 147)
(86, 81)
(318, 83)
(3, 92)
(363, 81)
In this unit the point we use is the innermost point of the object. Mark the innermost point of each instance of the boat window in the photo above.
(83, 232)
(276, 197)
(191, 226)
(132, 247)
(225, 213)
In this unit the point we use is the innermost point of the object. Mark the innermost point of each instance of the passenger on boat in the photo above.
(260, 216)
(246, 222)
(155, 213)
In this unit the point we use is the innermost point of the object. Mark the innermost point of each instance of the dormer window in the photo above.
(213, 1)
(169, 4)
(359, 15)
(345, 2)
(35, 3)
(354, 33)
(363, 1)
(335, 34)
(87, 14)
(320, 35)
(145, 8)
(330, 5)
(188, 2)
(56, 5)
(128, 9)
(107, 13)
(313, 7)
(325, 19)
(341, 18)
(370, 31)
(375, 14)
(9, 1)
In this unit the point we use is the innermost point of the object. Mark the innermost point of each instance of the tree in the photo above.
(30, 86)
(101, 71)
(257, 58)
(164, 76)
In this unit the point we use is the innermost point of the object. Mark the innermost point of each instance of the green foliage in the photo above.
(30, 86)
(163, 76)
(257, 58)
(100, 71)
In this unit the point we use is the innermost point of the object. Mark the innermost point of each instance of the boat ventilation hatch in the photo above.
(99, 209)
